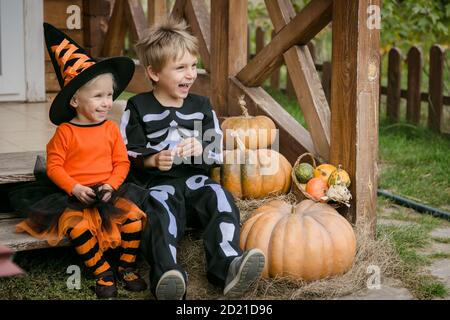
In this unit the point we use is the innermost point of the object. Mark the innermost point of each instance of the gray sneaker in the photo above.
(171, 286)
(243, 271)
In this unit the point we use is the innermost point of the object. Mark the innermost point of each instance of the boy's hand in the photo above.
(189, 147)
(163, 160)
(107, 192)
(85, 194)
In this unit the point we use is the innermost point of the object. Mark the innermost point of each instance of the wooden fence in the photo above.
(438, 118)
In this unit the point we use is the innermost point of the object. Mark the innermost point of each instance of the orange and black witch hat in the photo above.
(74, 67)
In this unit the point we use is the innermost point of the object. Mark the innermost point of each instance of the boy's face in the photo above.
(93, 102)
(175, 79)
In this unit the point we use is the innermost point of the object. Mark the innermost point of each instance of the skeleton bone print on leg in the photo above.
(161, 194)
(226, 229)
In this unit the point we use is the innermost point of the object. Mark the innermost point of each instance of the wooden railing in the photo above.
(437, 101)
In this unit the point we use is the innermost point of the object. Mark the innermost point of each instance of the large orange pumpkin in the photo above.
(254, 132)
(254, 174)
(308, 241)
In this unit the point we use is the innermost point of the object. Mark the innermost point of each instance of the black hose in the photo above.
(414, 205)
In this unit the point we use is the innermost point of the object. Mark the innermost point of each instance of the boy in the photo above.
(173, 138)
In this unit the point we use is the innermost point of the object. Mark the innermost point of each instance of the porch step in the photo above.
(20, 241)
(18, 166)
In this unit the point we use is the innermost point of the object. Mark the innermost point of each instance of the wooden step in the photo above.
(20, 241)
(18, 166)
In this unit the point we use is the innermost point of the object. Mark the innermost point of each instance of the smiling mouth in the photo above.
(184, 85)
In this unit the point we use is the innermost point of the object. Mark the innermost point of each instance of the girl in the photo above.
(87, 162)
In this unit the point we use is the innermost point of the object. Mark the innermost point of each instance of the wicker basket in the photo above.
(296, 187)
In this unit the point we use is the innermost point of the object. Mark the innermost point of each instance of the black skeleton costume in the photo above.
(184, 195)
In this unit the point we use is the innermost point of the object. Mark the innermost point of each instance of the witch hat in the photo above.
(74, 68)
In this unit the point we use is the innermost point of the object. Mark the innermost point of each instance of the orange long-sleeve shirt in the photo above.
(87, 155)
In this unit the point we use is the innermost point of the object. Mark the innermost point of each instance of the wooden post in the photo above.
(117, 28)
(156, 11)
(394, 85)
(435, 89)
(413, 100)
(354, 102)
(228, 48)
(95, 17)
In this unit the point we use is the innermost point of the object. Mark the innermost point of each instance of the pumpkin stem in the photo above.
(243, 105)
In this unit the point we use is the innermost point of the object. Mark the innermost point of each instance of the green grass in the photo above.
(46, 278)
(415, 163)
(407, 240)
(441, 240)
(439, 255)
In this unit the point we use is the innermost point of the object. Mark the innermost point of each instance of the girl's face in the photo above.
(175, 80)
(94, 100)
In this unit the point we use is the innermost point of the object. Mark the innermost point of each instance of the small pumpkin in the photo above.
(317, 188)
(339, 177)
(307, 241)
(254, 174)
(324, 171)
(255, 132)
(304, 172)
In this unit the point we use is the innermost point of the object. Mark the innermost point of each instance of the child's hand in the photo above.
(189, 147)
(163, 160)
(85, 194)
(107, 189)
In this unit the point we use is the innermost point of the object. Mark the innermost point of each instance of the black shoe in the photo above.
(105, 286)
(171, 286)
(243, 271)
(131, 280)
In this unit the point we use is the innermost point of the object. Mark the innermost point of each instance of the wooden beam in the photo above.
(117, 28)
(219, 55)
(156, 11)
(237, 36)
(228, 48)
(300, 30)
(294, 139)
(305, 80)
(354, 102)
(178, 9)
(197, 16)
(136, 17)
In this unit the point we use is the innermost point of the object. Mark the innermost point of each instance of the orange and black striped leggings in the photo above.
(86, 245)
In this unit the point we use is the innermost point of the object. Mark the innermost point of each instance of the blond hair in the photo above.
(165, 41)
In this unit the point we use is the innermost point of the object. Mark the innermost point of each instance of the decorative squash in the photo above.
(255, 132)
(339, 177)
(254, 174)
(324, 171)
(308, 241)
(316, 188)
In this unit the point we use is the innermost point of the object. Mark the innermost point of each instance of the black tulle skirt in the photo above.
(50, 211)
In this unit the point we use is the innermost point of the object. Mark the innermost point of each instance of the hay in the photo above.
(378, 252)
